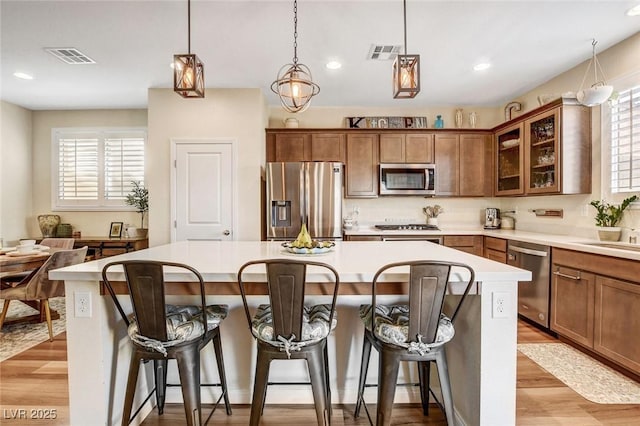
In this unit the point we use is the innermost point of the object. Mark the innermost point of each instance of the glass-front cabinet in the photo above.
(545, 151)
(509, 161)
(541, 159)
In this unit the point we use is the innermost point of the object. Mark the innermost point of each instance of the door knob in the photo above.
(226, 232)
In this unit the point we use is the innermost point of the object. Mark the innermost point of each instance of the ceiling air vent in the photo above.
(383, 52)
(70, 55)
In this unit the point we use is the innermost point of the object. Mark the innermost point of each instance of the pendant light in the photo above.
(599, 91)
(188, 70)
(294, 84)
(406, 69)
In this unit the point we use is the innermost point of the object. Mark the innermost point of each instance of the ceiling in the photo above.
(243, 44)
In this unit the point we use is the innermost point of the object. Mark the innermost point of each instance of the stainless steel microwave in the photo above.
(407, 179)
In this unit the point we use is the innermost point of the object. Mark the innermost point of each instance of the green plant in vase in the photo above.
(608, 216)
(139, 198)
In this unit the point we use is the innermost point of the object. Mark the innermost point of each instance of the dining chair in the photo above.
(62, 243)
(38, 287)
(58, 243)
(287, 328)
(160, 331)
(414, 331)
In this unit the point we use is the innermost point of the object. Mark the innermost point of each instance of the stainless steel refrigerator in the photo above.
(309, 192)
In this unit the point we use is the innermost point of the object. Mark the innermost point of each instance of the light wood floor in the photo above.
(37, 379)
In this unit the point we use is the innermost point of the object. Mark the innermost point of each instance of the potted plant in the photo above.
(138, 198)
(608, 217)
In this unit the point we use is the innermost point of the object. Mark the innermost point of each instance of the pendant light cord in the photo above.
(404, 7)
(189, 26)
(295, 32)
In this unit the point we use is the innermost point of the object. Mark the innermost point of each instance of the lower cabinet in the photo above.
(467, 243)
(617, 322)
(495, 249)
(595, 302)
(572, 304)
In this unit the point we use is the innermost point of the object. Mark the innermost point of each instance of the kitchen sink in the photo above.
(614, 245)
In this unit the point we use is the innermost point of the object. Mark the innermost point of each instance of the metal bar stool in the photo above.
(417, 331)
(288, 329)
(160, 332)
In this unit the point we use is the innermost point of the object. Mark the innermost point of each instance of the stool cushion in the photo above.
(392, 325)
(315, 324)
(184, 323)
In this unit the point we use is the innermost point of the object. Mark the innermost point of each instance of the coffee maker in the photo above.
(492, 218)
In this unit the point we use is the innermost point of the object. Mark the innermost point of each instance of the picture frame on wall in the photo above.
(116, 230)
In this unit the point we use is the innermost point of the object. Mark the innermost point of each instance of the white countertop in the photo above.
(553, 240)
(219, 261)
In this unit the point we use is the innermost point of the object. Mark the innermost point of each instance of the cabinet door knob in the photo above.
(226, 232)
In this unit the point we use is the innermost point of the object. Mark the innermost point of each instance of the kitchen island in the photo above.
(482, 356)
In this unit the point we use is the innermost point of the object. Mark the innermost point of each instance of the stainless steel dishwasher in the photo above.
(533, 296)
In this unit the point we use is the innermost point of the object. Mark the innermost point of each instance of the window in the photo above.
(93, 168)
(625, 142)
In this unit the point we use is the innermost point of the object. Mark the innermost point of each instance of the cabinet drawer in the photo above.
(497, 244)
(498, 256)
(363, 238)
(462, 240)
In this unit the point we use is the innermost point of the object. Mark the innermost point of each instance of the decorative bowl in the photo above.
(320, 248)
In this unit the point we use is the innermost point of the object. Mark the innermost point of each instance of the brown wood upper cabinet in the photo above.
(362, 166)
(546, 151)
(406, 148)
(463, 164)
(306, 146)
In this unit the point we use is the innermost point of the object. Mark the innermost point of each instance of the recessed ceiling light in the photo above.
(334, 65)
(482, 66)
(23, 76)
(634, 11)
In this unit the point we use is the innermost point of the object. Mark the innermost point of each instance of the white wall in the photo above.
(238, 114)
(15, 172)
(89, 223)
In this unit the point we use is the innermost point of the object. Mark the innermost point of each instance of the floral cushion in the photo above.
(392, 326)
(315, 327)
(184, 323)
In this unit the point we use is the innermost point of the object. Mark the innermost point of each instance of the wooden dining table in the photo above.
(14, 264)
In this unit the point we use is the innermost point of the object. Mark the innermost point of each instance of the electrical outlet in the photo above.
(82, 302)
(500, 304)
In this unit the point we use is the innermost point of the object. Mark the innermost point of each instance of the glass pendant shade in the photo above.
(295, 87)
(600, 91)
(188, 76)
(406, 76)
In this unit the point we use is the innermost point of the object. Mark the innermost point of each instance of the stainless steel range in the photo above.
(408, 236)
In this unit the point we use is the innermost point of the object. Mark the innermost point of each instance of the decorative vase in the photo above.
(609, 233)
(48, 224)
(459, 118)
(473, 120)
(439, 123)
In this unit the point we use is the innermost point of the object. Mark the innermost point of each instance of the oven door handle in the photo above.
(436, 240)
(528, 251)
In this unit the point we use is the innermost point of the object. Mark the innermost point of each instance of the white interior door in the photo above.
(203, 190)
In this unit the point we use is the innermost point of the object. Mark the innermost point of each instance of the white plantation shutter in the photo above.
(94, 168)
(124, 163)
(78, 168)
(625, 142)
